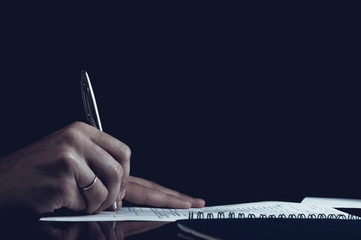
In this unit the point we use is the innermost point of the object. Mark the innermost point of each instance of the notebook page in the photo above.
(333, 202)
(127, 214)
(258, 209)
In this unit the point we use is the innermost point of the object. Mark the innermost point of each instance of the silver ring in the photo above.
(90, 185)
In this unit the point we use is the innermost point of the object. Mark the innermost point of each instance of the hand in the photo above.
(50, 173)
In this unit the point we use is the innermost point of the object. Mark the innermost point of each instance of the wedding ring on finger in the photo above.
(90, 185)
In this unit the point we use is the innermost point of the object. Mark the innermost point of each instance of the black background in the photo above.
(229, 103)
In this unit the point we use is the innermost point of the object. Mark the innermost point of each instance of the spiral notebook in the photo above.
(268, 209)
(266, 228)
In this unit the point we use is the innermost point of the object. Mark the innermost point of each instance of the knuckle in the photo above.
(66, 162)
(115, 174)
(62, 166)
(126, 150)
(78, 125)
(118, 170)
(72, 136)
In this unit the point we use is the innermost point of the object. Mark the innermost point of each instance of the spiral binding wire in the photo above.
(201, 215)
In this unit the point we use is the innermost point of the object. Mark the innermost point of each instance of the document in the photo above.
(127, 214)
(269, 209)
(333, 202)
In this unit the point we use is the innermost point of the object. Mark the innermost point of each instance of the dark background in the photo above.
(229, 103)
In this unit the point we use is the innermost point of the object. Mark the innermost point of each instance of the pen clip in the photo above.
(90, 105)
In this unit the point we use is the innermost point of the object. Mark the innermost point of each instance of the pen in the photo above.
(90, 107)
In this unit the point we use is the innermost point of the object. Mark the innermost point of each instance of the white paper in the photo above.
(127, 214)
(258, 209)
(333, 202)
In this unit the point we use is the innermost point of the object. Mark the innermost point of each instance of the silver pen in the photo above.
(90, 107)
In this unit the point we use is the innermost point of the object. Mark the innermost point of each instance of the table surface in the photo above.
(27, 228)
(32, 229)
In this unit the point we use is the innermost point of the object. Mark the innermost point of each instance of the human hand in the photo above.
(50, 173)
